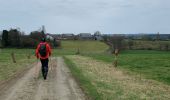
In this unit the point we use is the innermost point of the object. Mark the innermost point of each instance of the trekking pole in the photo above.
(37, 69)
(50, 63)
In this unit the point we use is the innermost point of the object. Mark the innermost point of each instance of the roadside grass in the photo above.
(115, 84)
(84, 82)
(147, 63)
(8, 68)
(150, 64)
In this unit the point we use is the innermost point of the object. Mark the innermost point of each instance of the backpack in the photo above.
(42, 49)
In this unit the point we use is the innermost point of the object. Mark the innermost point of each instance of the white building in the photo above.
(48, 36)
(67, 36)
(85, 36)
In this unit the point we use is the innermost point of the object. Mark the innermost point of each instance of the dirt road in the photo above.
(60, 85)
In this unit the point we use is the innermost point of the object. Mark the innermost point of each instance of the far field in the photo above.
(71, 47)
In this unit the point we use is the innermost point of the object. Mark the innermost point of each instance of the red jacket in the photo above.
(48, 49)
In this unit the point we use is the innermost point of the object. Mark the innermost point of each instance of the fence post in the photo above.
(13, 57)
(28, 56)
(116, 52)
(78, 51)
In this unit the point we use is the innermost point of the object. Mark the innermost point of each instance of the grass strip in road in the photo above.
(83, 81)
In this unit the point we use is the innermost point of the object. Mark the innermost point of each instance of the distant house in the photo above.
(148, 36)
(112, 35)
(67, 36)
(57, 36)
(138, 36)
(98, 36)
(49, 36)
(164, 36)
(86, 36)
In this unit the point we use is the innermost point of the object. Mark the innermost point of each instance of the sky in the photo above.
(87, 16)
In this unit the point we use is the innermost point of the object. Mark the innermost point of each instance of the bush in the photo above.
(28, 42)
(57, 43)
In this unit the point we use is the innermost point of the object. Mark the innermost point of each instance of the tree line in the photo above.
(121, 43)
(17, 39)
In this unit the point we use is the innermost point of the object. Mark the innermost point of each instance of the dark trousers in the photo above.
(44, 68)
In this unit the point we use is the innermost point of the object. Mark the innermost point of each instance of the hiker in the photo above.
(43, 52)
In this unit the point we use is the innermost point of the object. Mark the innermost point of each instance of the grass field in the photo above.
(152, 45)
(8, 68)
(147, 64)
(83, 81)
(71, 47)
(112, 83)
(143, 64)
(150, 64)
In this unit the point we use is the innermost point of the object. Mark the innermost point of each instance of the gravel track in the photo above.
(60, 85)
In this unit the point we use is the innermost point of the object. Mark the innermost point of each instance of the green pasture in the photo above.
(70, 47)
(150, 64)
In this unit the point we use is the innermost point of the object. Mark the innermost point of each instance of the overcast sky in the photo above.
(75, 16)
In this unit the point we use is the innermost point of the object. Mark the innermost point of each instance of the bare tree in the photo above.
(116, 42)
(130, 44)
